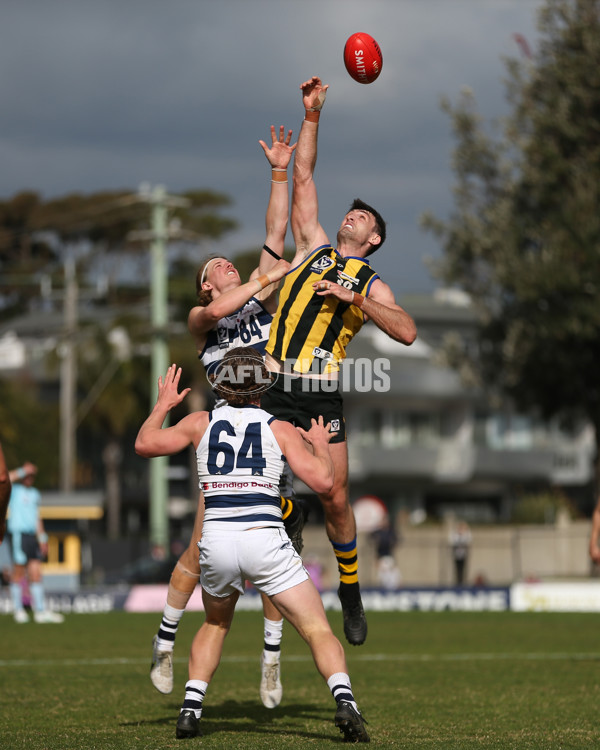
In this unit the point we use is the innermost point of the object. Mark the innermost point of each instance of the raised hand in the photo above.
(280, 152)
(168, 395)
(313, 94)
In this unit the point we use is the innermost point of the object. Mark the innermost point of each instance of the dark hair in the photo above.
(204, 295)
(359, 205)
(241, 376)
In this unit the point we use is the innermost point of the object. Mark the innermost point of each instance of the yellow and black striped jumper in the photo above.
(309, 335)
(313, 331)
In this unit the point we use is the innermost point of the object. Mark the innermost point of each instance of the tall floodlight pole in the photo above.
(159, 531)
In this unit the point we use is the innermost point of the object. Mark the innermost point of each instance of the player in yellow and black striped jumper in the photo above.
(325, 299)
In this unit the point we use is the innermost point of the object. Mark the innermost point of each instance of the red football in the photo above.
(363, 58)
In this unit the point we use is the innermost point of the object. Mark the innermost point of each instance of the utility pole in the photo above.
(159, 484)
(68, 378)
(67, 352)
(159, 487)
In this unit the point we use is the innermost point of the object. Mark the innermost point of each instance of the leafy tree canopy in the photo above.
(524, 237)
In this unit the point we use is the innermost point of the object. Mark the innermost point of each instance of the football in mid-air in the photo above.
(363, 58)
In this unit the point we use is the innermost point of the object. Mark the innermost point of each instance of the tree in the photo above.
(35, 233)
(524, 238)
(36, 236)
(114, 381)
(28, 427)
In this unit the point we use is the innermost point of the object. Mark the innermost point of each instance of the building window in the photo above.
(509, 432)
(405, 429)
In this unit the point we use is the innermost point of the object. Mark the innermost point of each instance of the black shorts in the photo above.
(297, 400)
(24, 547)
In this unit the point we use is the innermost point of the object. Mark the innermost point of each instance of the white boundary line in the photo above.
(531, 656)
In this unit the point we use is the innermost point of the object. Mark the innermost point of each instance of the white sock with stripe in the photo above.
(167, 631)
(341, 689)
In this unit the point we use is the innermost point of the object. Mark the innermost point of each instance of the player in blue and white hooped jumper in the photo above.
(240, 451)
(228, 314)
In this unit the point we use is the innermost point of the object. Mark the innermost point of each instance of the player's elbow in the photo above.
(410, 336)
(214, 312)
(303, 174)
(405, 333)
(322, 483)
(327, 486)
(141, 448)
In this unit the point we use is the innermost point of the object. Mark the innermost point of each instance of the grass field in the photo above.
(423, 680)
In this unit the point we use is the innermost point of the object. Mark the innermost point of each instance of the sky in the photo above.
(110, 94)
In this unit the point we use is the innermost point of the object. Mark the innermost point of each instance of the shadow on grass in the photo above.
(248, 716)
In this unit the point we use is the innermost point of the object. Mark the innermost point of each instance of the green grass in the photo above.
(423, 680)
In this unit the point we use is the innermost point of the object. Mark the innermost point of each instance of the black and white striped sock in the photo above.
(195, 690)
(273, 630)
(168, 628)
(341, 689)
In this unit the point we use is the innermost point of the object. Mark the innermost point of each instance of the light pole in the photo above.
(160, 233)
(68, 378)
(159, 487)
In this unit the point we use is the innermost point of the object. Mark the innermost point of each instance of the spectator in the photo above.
(386, 539)
(5, 486)
(29, 546)
(460, 544)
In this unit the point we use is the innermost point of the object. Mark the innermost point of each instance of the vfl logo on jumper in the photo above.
(322, 353)
(335, 425)
(222, 337)
(322, 265)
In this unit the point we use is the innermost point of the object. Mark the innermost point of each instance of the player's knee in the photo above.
(336, 507)
(317, 633)
(189, 562)
(183, 582)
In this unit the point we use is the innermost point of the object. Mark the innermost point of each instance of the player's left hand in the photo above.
(331, 289)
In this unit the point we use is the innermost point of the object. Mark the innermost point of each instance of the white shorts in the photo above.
(265, 557)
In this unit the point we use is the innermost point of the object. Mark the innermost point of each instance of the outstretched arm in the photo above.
(202, 319)
(307, 231)
(154, 440)
(276, 220)
(380, 306)
(22, 471)
(278, 155)
(263, 280)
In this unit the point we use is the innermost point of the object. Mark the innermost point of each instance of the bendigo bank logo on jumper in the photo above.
(237, 485)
